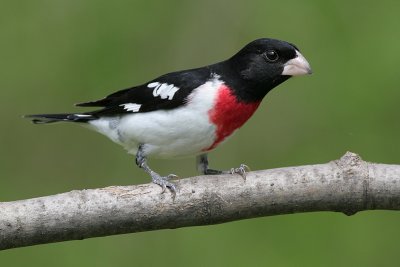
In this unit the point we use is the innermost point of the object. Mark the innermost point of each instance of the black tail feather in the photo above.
(50, 118)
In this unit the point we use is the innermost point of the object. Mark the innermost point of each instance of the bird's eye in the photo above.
(271, 55)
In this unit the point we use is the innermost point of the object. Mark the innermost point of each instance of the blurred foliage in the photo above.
(58, 52)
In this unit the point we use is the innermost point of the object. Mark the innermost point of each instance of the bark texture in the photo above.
(346, 185)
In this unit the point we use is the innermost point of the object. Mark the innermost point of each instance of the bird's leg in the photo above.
(202, 167)
(162, 181)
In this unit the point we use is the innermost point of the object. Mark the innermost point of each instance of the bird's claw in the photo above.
(241, 170)
(163, 181)
(172, 177)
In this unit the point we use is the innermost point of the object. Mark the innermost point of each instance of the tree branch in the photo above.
(347, 185)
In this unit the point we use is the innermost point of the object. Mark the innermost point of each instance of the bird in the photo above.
(190, 112)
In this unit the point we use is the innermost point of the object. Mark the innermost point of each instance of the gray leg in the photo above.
(162, 181)
(202, 167)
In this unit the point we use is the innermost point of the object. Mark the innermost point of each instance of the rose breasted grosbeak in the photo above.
(190, 112)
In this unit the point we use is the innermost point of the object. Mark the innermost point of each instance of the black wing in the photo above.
(166, 92)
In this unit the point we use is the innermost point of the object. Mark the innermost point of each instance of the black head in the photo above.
(265, 63)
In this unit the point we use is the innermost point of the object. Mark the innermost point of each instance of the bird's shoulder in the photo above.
(168, 91)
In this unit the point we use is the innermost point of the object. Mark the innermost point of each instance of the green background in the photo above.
(54, 53)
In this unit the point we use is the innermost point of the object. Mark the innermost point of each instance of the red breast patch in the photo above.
(229, 114)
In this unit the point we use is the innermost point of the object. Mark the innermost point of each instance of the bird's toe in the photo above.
(163, 181)
(242, 170)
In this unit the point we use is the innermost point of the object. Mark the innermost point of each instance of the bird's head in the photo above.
(268, 62)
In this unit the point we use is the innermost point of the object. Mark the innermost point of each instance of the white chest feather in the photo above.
(166, 133)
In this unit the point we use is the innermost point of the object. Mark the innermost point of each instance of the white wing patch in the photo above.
(164, 90)
(131, 107)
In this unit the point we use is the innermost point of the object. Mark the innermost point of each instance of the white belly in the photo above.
(166, 133)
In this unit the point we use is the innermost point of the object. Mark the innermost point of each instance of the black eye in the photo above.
(271, 55)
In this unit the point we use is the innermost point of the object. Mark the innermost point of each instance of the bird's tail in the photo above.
(71, 117)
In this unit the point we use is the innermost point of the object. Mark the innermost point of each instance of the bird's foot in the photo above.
(241, 170)
(164, 182)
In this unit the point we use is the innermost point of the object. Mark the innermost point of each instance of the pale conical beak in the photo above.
(297, 66)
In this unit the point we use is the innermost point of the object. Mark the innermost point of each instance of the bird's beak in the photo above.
(297, 66)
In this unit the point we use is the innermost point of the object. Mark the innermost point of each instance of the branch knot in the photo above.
(349, 159)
